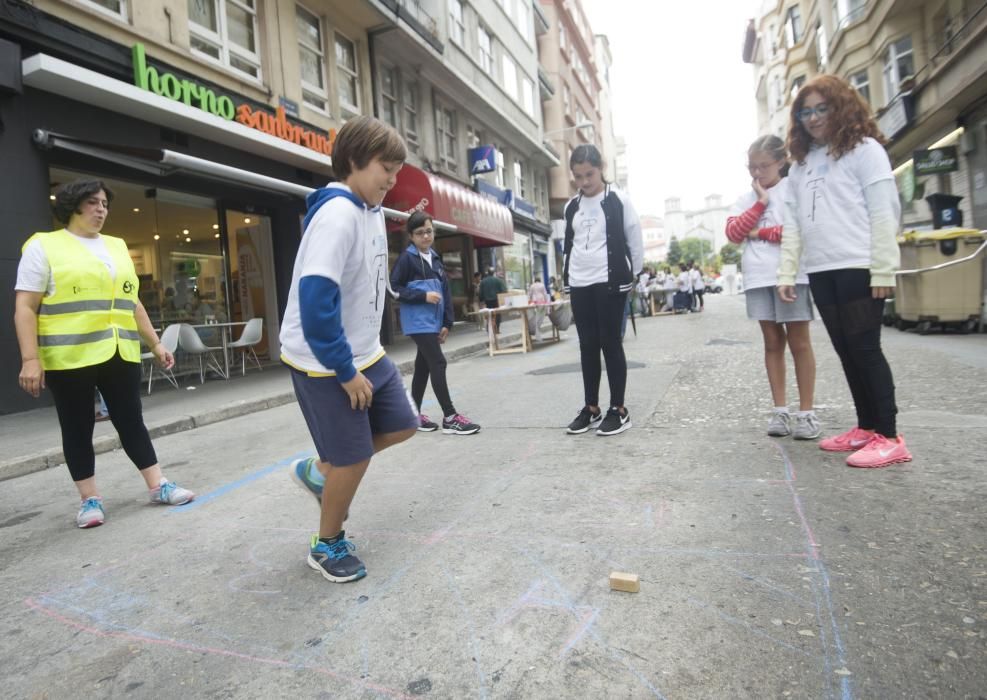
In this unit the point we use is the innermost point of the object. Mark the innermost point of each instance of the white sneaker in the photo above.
(780, 424)
(91, 513)
(170, 494)
(807, 426)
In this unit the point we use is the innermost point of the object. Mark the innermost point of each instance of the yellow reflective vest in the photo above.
(90, 317)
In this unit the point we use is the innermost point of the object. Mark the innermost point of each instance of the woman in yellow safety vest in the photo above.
(79, 323)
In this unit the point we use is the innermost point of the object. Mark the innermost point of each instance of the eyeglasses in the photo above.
(761, 167)
(805, 115)
(425, 232)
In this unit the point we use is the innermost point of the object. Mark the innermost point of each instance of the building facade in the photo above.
(922, 66)
(706, 223)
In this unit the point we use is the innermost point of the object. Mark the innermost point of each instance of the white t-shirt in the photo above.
(348, 245)
(685, 281)
(34, 272)
(832, 212)
(427, 257)
(696, 279)
(761, 258)
(588, 260)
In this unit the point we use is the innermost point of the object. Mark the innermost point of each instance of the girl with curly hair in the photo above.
(843, 209)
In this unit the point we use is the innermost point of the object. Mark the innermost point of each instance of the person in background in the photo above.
(79, 321)
(843, 211)
(756, 223)
(419, 264)
(490, 287)
(698, 288)
(602, 256)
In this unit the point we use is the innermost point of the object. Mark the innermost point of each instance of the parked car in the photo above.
(714, 285)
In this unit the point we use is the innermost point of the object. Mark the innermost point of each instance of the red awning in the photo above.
(487, 221)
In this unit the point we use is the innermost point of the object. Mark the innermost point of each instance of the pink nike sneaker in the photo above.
(850, 441)
(880, 452)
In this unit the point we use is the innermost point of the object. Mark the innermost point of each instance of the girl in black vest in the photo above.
(603, 254)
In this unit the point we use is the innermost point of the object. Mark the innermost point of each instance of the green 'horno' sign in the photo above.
(179, 89)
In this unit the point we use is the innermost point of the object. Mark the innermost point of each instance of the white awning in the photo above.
(54, 75)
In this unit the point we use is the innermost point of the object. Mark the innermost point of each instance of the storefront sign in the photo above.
(482, 159)
(193, 94)
(505, 197)
(936, 160)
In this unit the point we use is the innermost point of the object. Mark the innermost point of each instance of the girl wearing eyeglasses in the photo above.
(841, 218)
(756, 223)
(420, 280)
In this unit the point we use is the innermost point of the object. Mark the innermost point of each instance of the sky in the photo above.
(683, 99)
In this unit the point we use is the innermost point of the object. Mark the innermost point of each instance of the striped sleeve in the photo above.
(739, 226)
(771, 234)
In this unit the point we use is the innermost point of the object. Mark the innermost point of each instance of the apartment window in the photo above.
(520, 187)
(523, 18)
(797, 85)
(474, 137)
(226, 31)
(484, 44)
(445, 120)
(847, 12)
(822, 48)
(456, 27)
(898, 65)
(389, 96)
(566, 100)
(411, 115)
(773, 40)
(500, 167)
(563, 38)
(114, 8)
(793, 25)
(312, 59)
(510, 77)
(861, 82)
(347, 74)
(528, 96)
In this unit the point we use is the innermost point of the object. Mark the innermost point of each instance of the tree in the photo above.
(730, 254)
(695, 249)
(674, 256)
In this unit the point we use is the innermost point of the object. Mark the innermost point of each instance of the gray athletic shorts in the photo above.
(341, 435)
(763, 304)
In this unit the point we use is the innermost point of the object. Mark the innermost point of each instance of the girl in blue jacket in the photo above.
(420, 281)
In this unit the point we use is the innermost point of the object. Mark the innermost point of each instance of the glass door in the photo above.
(252, 276)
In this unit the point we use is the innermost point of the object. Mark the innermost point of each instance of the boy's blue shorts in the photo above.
(344, 436)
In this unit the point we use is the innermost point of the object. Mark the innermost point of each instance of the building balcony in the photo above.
(424, 24)
(545, 85)
(541, 21)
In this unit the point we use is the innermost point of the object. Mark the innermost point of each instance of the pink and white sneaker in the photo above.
(850, 441)
(880, 452)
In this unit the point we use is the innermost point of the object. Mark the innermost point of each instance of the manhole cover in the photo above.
(726, 341)
(576, 367)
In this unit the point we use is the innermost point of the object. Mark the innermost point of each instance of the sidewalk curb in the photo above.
(39, 461)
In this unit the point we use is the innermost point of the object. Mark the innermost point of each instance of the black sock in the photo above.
(333, 540)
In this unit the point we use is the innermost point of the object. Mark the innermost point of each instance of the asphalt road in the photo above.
(768, 568)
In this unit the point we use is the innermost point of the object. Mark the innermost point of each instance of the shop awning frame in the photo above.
(163, 162)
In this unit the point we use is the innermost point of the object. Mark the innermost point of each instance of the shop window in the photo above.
(347, 75)
(226, 31)
(456, 25)
(114, 8)
(389, 96)
(411, 115)
(899, 63)
(445, 120)
(517, 262)
(484, 43)
(312, 59)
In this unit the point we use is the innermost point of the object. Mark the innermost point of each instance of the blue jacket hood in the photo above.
(317, 198)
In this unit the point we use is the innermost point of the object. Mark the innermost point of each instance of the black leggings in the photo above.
(853, 320)
(598, 315)
(74, 389)
(697, 299)
(430, 362)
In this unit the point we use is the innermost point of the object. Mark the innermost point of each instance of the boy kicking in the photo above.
(349, 391)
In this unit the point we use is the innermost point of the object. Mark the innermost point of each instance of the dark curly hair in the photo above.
(850, 118)
(70, 195)
(417, 220)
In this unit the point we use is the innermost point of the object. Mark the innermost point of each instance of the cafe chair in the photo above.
(190, 342)
(169, 338)
(250, 336)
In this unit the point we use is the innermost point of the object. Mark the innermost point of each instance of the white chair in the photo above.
(191, 343)
(169, 338)
(250, 336)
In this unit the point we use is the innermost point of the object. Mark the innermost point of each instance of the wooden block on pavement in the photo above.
(629, 583)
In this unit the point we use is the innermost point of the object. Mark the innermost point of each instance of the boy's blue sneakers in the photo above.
(307, 475)
(334, 561)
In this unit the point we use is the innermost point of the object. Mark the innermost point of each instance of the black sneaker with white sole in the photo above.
(585, 420)
(614, 423)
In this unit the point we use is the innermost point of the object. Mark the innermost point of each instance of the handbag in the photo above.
(425, 317)
(561, 316)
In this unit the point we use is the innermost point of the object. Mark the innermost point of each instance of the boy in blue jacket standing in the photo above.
(349, 391)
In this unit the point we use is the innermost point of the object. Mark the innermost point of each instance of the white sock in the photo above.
(810, 412)
(781, 409)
